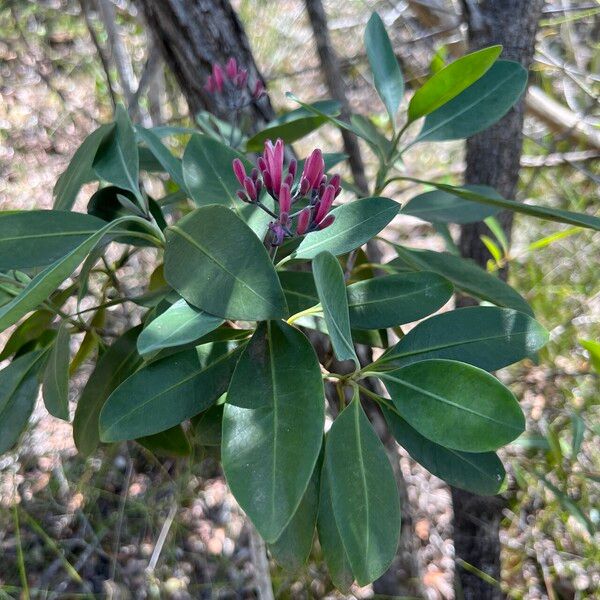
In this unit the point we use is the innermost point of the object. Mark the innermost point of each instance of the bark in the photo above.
(194, 34)
(493, 158)
(337, 88)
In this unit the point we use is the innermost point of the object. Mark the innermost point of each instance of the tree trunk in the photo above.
(193, 35)
(493, 158)
(335, 83)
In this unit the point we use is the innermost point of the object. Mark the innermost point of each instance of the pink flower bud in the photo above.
(259, 89)
(254, 174)
(288, 180)
(262, 164)
(242, 195)
(285, 199)
(267, 181)
(250, 189)
(239, 170)
(313, 168)
(304, 186)
(241, 78)
(303, 221)
(327, 221)
(326, 202)
(218, 77)
(292, 167)
(209, 86)
(336, 181)
(231, 68)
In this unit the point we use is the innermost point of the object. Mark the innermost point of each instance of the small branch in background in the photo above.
(560, 118)
(262, 576)
(559, 158)
(122, 61)
(104, 59)
(336, 86)
(150, 72)
(162, 538)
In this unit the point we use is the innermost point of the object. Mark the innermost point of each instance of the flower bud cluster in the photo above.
(313, 187)
(231, 83)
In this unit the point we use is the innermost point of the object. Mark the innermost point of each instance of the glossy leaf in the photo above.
(464, 274)
(484, 336)
(166, 392)
(392, 300)
(293, 546)
(117, 159)
(273, 426)
(163, 155)
(441, 207)
(330, 539)
(384, 66)
(79, 171)
(55, 386)
(208, 425)
(237, 279)
(355, 224)
(479, 106)
(451, 81)
(180, 324)
(172, 442)
(210, 179)
(27, 331)
(299, 289)
(18, 392)
(331, 288)
(481, 473)
(364, 495)
(37, 238)
(455, 405)
(293, 125)
(116, 364)
(43, 284)
(532, 210)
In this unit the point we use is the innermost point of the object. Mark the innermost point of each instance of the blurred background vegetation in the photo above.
(71, 528)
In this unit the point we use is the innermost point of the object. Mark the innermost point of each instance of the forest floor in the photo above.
(80, 528)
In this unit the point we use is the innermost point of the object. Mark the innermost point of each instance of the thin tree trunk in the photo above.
(193, 35)
(493, 158)
(337, 88)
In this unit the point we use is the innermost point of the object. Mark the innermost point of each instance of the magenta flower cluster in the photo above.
(313, 186)
(231, 80)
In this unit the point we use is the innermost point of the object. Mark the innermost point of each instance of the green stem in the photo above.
(313, 310)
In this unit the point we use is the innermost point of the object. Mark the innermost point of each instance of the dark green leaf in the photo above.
(392, 300)
(293, 546)
(166, 392)
(355, 224)
(293, 125)
(18, 393)
(113, 367)
(443, 207)
(237, 279)
(210, 180)
(43, 284)
(384, 66)
(540, 212)
(178, 325)
(55, 386)
(371, 134)
(364, 495)
(208, 425)
(172, 442)
(170, 163)
(451, 81)
(117, 159)
(455, 405)
(464, 274)
(481, 474)
(299, 289)
(331, 287)
(484, 336)
(593, 349)
(28, 331)
(273, 425)
(37, 238)
(479, 106)
(79, 170)
(332, 546)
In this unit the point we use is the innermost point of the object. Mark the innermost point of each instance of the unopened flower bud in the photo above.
(239, 170)
(303, 221)
(231, 68)
(327, 221)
